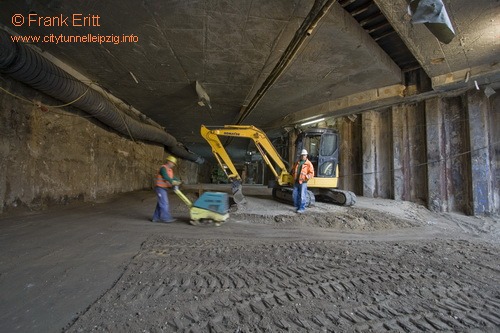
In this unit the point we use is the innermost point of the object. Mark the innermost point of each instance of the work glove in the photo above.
(176, 182)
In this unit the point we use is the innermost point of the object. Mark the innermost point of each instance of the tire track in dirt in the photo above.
(303, 286)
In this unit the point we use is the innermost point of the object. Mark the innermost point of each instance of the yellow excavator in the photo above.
(322, 145)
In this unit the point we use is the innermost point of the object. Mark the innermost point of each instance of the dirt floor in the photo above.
(380, 266)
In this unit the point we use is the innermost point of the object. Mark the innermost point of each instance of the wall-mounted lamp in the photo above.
(312, 122)
(203, 98)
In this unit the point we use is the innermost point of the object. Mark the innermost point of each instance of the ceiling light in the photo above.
(312, 122)
(133, 76)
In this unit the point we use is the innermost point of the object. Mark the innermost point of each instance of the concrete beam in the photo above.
(475, 44)
(468, 77)
(367, 100)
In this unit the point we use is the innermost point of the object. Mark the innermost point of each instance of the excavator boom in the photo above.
(262, 142)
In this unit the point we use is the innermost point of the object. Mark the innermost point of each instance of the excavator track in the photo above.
(330, 195)
(335, 196)
(285, 194)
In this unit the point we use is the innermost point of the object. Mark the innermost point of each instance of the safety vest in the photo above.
(306, 173)
(160, 182)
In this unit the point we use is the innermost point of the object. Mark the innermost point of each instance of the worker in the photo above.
(302, 171)
(165, 179)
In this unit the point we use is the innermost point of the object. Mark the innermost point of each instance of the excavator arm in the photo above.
(262, 142)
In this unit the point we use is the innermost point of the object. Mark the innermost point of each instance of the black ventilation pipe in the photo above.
(28, 66)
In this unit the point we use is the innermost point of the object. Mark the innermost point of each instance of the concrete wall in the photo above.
(191, 173)
(56, 155)
(442, 152)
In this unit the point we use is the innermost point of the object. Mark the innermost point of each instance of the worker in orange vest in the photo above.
(302, 171)
(165, 179)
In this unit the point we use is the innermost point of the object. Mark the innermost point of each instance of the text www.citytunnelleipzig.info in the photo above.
(88, 38)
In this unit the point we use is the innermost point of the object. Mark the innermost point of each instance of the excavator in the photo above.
(322, 145)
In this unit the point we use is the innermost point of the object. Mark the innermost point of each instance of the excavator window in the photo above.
(322, 146)
(328, 159)
(328, 144)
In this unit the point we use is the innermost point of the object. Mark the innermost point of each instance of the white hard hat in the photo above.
(303, 152)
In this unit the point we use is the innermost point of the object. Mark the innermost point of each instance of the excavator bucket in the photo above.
(237, 190)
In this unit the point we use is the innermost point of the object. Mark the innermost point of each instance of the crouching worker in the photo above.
(164, 180)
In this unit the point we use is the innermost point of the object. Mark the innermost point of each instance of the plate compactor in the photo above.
(209, 207)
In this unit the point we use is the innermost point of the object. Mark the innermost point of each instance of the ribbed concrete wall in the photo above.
(442, 152)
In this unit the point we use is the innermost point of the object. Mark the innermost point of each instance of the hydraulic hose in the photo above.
(24, 64)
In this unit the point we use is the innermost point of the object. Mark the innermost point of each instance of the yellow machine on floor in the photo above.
(322, 145)
(209, 207)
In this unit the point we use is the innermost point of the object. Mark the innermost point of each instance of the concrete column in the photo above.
(400, 167)
(448, 155)
(436, 177)
(408, 153)
(345, 156)
(350, 167)
(417, 178)
(377, 152)
(370, 121)
(458, 159)
(495, 149)
(384, 155)
(292, 136)
(481, 173)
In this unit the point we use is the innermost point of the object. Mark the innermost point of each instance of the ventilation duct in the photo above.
(28, 66)
(433, 14)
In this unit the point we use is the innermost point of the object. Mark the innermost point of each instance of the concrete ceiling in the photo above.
(232, 46)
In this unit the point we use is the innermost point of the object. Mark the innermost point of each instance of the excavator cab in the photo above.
(322, 144)
(323, 148)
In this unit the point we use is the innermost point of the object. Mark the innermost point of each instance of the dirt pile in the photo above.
(352, 219)
(364, 216)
